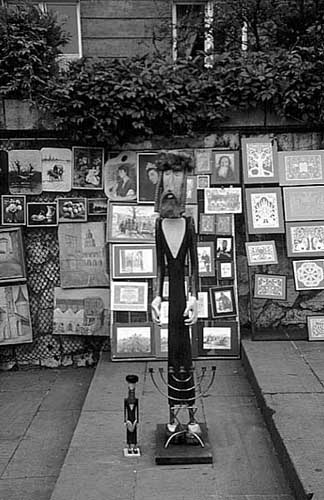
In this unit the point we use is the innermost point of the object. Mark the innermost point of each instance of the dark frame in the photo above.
(268, 277)
(207, 328)
(214, 291)
(116, 261)
(233, 164)
(120, 353)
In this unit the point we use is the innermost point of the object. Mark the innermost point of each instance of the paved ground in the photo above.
(39, 410)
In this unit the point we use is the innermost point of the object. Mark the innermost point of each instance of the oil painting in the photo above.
(12, 258)
(56, 169)
(25, 171)
(87, 172)
(120, 177)
(15, 322)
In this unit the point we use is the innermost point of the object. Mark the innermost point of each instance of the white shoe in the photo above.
(172, 427)
(194, 428)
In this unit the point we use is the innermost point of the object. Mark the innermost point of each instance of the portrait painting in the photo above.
(301, 167)
(207, 224)
(305, 239)
(261, 252)
(72, 209)
(82, 255)
(269, 286)
(12, 257)
(4, 177)
(25, 171)
(81, 312)
(120, 177)
(259, 155)
(42, 214)
(133, 261)
(56, 169)
(148, 177)
(132, 341)
(87, 172)
(303, 203)
(203, 164)
(309, 274)
(203, 181)
(315, 327)
(224, 248)
(264, 210)
(219, 340)
(223, 200)
(224, 224)
(206, 258)
(226, 168)
(131, 223)
(222, 301)
(97, 206)
(129, 296)
(15, 322)
(13, 210)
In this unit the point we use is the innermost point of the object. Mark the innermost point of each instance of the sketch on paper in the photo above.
(15, 323)
(223, 200)
(56, 169)
(258, 161)
(305, 239)
(301, 167)
(216, 337)
(203, 161)
(25, 171)
(261, 252)
(304, 203)
(315, 326)
(270, 286)
(309, 274)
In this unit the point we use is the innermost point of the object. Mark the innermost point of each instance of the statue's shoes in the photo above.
(194, 429)
(172, 428)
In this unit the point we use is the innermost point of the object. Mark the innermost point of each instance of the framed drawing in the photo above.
(222, 301)
(261, 252)
(224, 248)
(191, 189)
(56, 169)
(129, 296)
(305, 239)
(207, 224)
(148, 176)
(315, 327)
(4, 176)
(259, 155)
(41, 214)
(132, 340)
(303, 203)
(87, 167)
(131, 223)
(264, 210)
(97, 206)
(206, 258)
(203, 181)
(226, 168)
(224, 224)
(309, 274)
(223, 200)
(13, 210)
(220, 339)
(269, 286)
(15, 322)
(12, 258)
(25, 171)
(202, 304)
(133, 261)
(161, 341)
(121, 177)
(192, 211)
(225, 270)
(72, 209)
(301, 167)
(203, 161)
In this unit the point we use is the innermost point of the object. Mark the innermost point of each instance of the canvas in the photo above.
(25, 171)
(12, 257)
(226, 168)
(203, 161)
(87, 170)
(148, 176)
(132, 341)
(56, 169)
(13, 210)
(15, 322)
(120, 177)
(131, 223)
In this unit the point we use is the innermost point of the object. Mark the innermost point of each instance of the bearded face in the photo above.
(170, 202)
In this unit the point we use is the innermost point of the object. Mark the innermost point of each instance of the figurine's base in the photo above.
(136, 452)
(180, 450)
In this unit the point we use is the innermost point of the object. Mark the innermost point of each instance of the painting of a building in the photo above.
(15, 324)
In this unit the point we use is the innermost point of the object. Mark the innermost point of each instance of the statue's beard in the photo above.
(170, 207)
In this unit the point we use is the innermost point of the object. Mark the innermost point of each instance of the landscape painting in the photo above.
(25, 171)
(56, 169)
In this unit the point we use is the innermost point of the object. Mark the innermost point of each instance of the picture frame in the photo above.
(270, 286)
(207, 224)
(87, 171)
(218, 339)
(259, 158)
(4, 172)
(203, 161)
(12, 262)
(301, 167)
(120, 180)
(56, 169)
(305, 239)
(206, 258)
(225, 270)
(15, 320)
(202, 304)
(224, 224)
(131, 223)
(315, 327)
(222, 299)
(97, 206)
(72, 209)
(132, 341)
(148, 177)
(203, 181)
(161, 341)
(129, 296)
(303, 203)
(41, 214)
(223, 200)
(261, 253)
(191, 189)
(226, 167)
(192, 211)
(309, 274)
(264, 210)
(133, 261)
(13, 210)
(25, 171)
(224, 248)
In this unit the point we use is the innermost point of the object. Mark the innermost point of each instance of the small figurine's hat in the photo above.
(131, 379)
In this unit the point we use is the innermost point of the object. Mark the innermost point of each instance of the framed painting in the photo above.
(81, 311)
(207, 224)
(129, 296)
(131, 223)
(223, 200)
(269, 286)
(12, 258)
(225, 271)
(315, 327)
(41, 214)
(203, 181)
(13, 210)
(56, 169)
(218, 340)
(203, 161)
(4, 176)
(202, 304)
(191, 189)
(206, 258)
(161, 341)
(72, 209)
(303, 203)
(15, 321)
(133, 261)
(148, 177)
(132, 340)
(222, 301)
(25, 171)
(87, 167)
(309, 274)
(120, 180)
(261, 253)
(97, 206)
(224, 224)
(259, 156)
(305, 239)
(192, 211)
(224, 248)
(264, 210)
(301, 167)
(226, 167)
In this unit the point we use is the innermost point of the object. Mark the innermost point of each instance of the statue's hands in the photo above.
(131, 426)
(191, 311)
(156, 309)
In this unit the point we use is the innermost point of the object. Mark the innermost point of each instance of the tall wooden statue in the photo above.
(131, 417)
